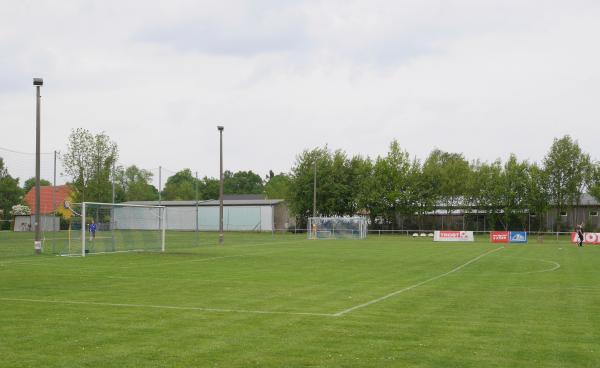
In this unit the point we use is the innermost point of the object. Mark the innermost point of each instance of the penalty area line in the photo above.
(171, 307)
(346, 311)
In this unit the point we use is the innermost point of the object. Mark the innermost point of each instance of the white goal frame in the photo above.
(162, 221)
(315, 232)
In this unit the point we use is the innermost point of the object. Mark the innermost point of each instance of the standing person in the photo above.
(580, 234)
(93, 230)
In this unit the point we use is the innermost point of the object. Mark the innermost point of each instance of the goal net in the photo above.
(337, 227)
(105, 228)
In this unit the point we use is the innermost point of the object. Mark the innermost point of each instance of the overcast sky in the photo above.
(484, 78)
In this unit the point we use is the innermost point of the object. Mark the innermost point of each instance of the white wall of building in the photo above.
(235, 218)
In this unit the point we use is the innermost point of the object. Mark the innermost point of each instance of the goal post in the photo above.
(337, 227)
(96, 228)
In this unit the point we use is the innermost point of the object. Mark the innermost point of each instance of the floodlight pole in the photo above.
(37, 82)
(220, 128)
(315, 190)
(196, 201)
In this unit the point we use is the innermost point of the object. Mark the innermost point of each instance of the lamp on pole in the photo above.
(220, 128)
(37, 82)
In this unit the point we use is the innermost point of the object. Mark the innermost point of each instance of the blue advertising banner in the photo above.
(518, 237)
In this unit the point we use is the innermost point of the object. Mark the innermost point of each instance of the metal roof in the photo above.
(212, 202)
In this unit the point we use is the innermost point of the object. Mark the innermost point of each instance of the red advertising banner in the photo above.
(588, 238)
(499, 236)
(453, 236)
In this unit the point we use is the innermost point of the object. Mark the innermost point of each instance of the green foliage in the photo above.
(181, 186)
(30, 183)
(10, 194)
(134, 184)
(516, 185)
(208, 188)
(301, 180)
(568, 171)
(278, 186)
(449, 175)
(242, 182)
(89, 161)
(594, 183)
(538, 194)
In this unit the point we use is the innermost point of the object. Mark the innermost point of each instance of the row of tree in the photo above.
(397, 184)
(383, 188)
(91, 161)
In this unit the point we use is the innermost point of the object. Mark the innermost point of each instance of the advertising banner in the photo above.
(588, 238)
(499, 236)
(453, 236)
(518, 237)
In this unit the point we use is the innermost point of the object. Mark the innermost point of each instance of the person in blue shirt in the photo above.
(92, 230)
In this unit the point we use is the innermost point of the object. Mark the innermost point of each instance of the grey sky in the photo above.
(485, 78)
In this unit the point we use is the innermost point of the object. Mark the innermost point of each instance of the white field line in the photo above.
(346, 311)
(555, 267)
(173, 307)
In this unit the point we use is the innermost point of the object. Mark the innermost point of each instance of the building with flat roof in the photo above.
(242, 213)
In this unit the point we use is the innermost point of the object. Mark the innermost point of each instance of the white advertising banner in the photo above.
(453, 236)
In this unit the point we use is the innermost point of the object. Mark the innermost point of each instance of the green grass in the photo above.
(263, 300)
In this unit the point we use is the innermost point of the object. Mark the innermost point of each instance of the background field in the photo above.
(264, 300)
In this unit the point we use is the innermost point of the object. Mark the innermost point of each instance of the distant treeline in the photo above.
(382, 187)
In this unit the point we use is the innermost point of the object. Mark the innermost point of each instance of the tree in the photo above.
(89, 161)
(10, 194)
(181, 186)
(209, 188)
(301, 181)
(516, 185)
(391, 187)
(242, 182)
(134, 184)
(568, 171)
(538, 194)
(486, 190)
(449, 174)
(594, 187)
(278, 186)
(361, 184)
(30, 183)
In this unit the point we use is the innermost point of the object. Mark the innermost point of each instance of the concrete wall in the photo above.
(27, 223)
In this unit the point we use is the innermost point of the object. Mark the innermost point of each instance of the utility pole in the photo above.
(37, 82)
(315, 190)
(220, 128)
(196, 201)
(159, 184)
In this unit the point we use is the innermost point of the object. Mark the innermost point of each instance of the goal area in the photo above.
(337, 227)
(96, 228)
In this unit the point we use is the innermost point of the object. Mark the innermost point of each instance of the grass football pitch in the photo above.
(284, 301)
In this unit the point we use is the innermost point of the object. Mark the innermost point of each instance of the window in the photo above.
(563, 213)
(594, 213)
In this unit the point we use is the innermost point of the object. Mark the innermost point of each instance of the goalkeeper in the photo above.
(93, 231)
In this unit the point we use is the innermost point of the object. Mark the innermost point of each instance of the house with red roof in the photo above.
(49, 196)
